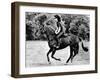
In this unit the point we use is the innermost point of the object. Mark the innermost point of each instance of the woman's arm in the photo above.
(57, 31)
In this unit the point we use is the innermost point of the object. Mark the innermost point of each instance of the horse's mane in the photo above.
(50, 31)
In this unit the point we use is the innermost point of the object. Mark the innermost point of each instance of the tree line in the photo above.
(73, 23)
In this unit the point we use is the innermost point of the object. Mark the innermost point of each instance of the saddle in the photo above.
(64, 35)
(59, 39)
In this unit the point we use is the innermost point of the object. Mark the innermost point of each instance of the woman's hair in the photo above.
(58, 17)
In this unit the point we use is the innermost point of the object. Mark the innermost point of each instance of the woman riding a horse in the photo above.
(60, 31)
(57, 42)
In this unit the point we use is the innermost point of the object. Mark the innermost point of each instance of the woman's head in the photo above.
(57, 17)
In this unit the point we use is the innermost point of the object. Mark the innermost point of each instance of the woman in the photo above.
(60, 31)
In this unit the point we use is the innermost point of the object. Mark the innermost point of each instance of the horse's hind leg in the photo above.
(48, 55)
(52, 55)
(76, 50)
(71, 54)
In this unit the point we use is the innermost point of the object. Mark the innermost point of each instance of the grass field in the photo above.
(36, 52)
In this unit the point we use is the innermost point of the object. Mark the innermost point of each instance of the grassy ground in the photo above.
(36, 52)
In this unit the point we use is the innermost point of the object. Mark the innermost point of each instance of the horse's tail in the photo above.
(84, 48)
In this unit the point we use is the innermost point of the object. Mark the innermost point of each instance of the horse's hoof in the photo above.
(49, 62)
(59, 59)
(65, 64)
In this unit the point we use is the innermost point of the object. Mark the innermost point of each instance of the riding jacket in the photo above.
(60, 30)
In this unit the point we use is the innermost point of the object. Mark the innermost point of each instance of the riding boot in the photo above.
(58, 43)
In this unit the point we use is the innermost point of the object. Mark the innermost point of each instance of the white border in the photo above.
(53, 69)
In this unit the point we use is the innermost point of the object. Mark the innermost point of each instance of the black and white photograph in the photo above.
(51, 39)
(57, 39)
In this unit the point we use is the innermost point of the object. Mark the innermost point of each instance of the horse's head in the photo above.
(50, 34)
(46, 30)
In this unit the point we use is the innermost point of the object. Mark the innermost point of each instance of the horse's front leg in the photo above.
(48, 56)
(52, 55)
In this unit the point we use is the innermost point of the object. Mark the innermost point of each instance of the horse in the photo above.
(70, 40)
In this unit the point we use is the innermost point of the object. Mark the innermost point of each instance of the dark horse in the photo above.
(70, 40)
